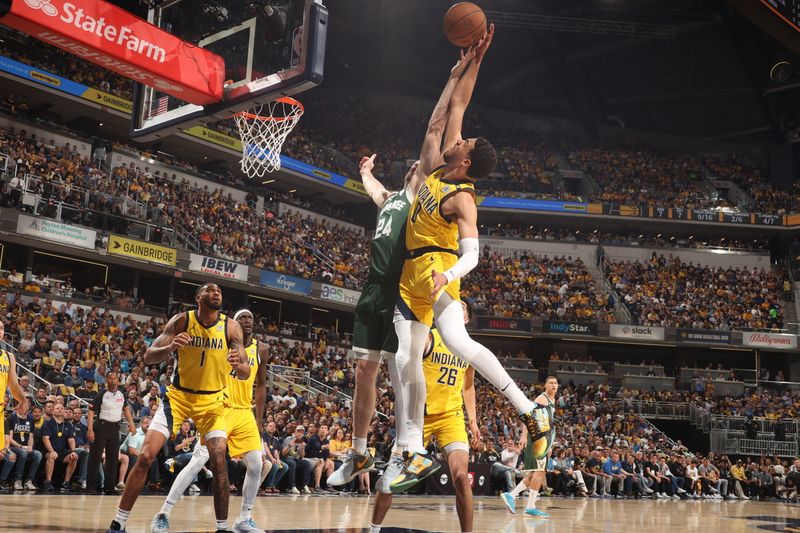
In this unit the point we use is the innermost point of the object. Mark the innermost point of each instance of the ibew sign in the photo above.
(218, 267)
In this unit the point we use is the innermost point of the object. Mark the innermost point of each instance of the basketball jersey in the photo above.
(202, 365)
(5, 369)
(444, 378)
(539, 445)
(388, 246)
(427, 226)
(239, 393)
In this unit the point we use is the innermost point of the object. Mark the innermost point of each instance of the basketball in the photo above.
(464, 24)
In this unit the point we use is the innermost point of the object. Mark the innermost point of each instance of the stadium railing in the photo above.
(722, 442)
(699, 417)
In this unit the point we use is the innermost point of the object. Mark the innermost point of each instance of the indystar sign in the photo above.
(105, 34)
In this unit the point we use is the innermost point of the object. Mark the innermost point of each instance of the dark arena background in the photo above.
(639, 240)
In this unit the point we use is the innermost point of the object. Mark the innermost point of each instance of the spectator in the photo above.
(59, 441)
(21, 426)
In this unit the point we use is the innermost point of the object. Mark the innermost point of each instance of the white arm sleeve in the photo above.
(469, 259)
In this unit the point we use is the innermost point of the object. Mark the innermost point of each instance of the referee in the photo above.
(109, 405)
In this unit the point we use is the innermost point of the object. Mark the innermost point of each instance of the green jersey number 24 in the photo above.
(384, 228)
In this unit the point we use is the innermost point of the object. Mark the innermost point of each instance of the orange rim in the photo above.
(284, 100)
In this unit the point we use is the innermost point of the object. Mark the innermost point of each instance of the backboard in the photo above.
(271, 48)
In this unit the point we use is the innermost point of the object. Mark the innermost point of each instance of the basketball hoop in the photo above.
(263, 131)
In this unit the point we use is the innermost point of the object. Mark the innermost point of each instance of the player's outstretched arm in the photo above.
(431, 153)
(237, 357)
(261, 384)
(372, 186)
(172, 338)
(463, 91)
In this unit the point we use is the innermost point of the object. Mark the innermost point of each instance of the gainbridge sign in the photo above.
(115, 39)
(145, 251)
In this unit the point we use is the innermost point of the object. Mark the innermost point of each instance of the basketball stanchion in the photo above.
(263, 131)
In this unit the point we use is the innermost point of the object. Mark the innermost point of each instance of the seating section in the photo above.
(668, 292)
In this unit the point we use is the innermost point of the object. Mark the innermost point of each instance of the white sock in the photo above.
(121, 517)
(360, 445)
(252, 460)
(521, 486)
(450, 321)
(167, 507)
(411, 336)
(532, 499)
(373, 528)
(222, 524)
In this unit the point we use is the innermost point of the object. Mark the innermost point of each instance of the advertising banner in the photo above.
(146, 251)
(570, 328)
(214, 137)
(504, 323)
(109, 36)
(339, 294)
(704, 335)
(59, 232)
(42, 77)
(625, 331)
(218, 267)
(284, 282)
(757, 339)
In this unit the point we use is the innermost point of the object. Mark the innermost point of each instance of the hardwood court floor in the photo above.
(333, 514)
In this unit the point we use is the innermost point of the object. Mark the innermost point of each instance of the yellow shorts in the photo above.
(447, 427)
(243, 435)
(416, 285)
(205, 410)
(2, 433)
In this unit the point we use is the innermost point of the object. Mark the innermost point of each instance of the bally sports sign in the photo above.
(757, 339)
(218, 267)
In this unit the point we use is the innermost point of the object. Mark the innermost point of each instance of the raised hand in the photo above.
(367, 163)
(465, 57)
(484, 44)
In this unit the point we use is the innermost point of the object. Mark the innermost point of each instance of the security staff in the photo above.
(108, 405)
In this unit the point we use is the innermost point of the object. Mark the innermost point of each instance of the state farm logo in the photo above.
(44, 5)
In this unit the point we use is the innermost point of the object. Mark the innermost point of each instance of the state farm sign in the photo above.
(756, 339)
(105, 34)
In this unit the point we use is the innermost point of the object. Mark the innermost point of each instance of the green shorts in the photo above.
(373, 327)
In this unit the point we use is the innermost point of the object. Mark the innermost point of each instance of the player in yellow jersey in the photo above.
(443, 223)
(208, 347)
(244, 439)
(8, 380)
(450, 384)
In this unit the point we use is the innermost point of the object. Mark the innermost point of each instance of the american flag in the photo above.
(160, 106)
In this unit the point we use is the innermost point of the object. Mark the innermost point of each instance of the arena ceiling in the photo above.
(707, 81)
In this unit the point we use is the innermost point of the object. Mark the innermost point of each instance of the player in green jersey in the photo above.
(536, 450)
(373, 330)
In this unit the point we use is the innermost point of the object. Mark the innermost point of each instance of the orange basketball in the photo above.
(464, 24)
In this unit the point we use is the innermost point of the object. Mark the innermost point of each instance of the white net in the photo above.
(263, 131)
